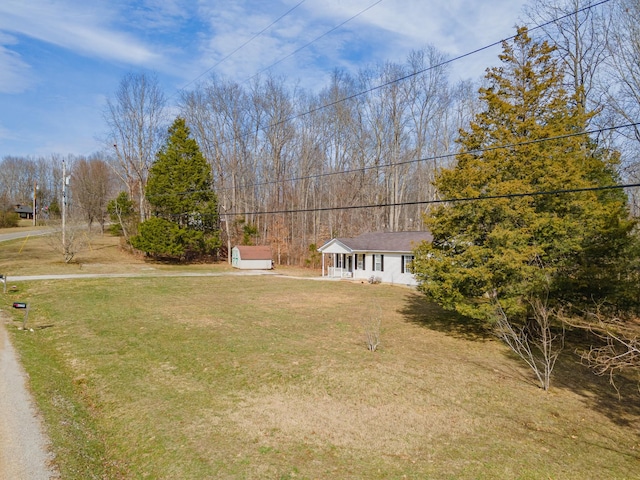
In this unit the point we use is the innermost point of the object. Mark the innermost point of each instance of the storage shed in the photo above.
(247, 257)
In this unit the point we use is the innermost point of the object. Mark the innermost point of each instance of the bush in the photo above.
(159, 238)
(9, 218)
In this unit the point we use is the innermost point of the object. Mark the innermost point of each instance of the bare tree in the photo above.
(69, 242)
(272, 148)
(622, 87)
(17, 177)
(276, 157)
(580, 36)
(534, 342)
(371, 324)
(92, 182)
(433, 125)
(136, 118)
(618, 344)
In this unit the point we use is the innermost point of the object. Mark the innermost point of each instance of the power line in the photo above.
(244, 44)
(417, 72)
(437, 201)
(425, 159)
(433, 158)
(439, 157)
(311, 42)
(286, 56)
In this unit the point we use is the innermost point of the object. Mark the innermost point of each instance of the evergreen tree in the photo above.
(179, 190)
(505, 258)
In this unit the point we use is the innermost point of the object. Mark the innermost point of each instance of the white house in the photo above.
(383, 256)
(251, 257)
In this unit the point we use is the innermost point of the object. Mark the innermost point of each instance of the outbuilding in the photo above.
(249, 257)
(24, 211)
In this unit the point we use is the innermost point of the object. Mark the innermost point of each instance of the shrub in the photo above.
(8, 218)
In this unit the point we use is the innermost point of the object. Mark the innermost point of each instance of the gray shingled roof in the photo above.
(386, 241)
(23, 209)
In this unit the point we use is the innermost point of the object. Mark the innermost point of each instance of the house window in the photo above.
(360, 261)
(406, 263)
(378, 263)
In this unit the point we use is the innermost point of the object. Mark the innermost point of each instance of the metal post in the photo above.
(26, 312)
(26, 316)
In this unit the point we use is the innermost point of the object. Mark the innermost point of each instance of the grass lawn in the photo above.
(238, 377)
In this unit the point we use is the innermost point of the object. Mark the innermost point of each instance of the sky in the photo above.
(61, 60)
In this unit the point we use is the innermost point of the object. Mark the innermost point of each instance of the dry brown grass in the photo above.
(270, 377)
(100, 254)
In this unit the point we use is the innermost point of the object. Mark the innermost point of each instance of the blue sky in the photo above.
(61, 59)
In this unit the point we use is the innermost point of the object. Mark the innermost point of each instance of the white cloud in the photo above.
(387, 31)
(455, 27)
(15, 74)
(183, 40)
(81, 27)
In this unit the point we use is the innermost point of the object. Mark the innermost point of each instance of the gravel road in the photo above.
(23, 445)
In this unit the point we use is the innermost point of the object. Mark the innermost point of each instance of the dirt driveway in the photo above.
(23, 445)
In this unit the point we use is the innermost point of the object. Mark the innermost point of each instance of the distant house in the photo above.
(385, 257)
(24, 211)
(251, 257)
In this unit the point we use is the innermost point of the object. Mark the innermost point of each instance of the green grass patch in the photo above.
(268, 377)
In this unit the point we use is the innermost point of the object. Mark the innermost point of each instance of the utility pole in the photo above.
(64, 206)
(35, 189)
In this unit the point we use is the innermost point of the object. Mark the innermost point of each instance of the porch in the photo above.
(340, 265)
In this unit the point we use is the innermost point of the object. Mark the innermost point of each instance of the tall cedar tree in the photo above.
(185, 208)
(564, 246)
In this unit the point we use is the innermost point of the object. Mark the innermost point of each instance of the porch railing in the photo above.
(339, 272)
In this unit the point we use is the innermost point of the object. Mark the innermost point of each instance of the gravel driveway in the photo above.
(23, 445)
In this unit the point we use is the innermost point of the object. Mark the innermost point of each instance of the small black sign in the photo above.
(19, 305)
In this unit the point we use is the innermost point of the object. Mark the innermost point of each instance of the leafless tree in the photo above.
(534, 342)
(580, 36)
(17, 177)
(136, 117)
(622, 86)
(617, 344)
(273, 148)
(68, 244)
(92, 181)
(437, 112)
(371, 324)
